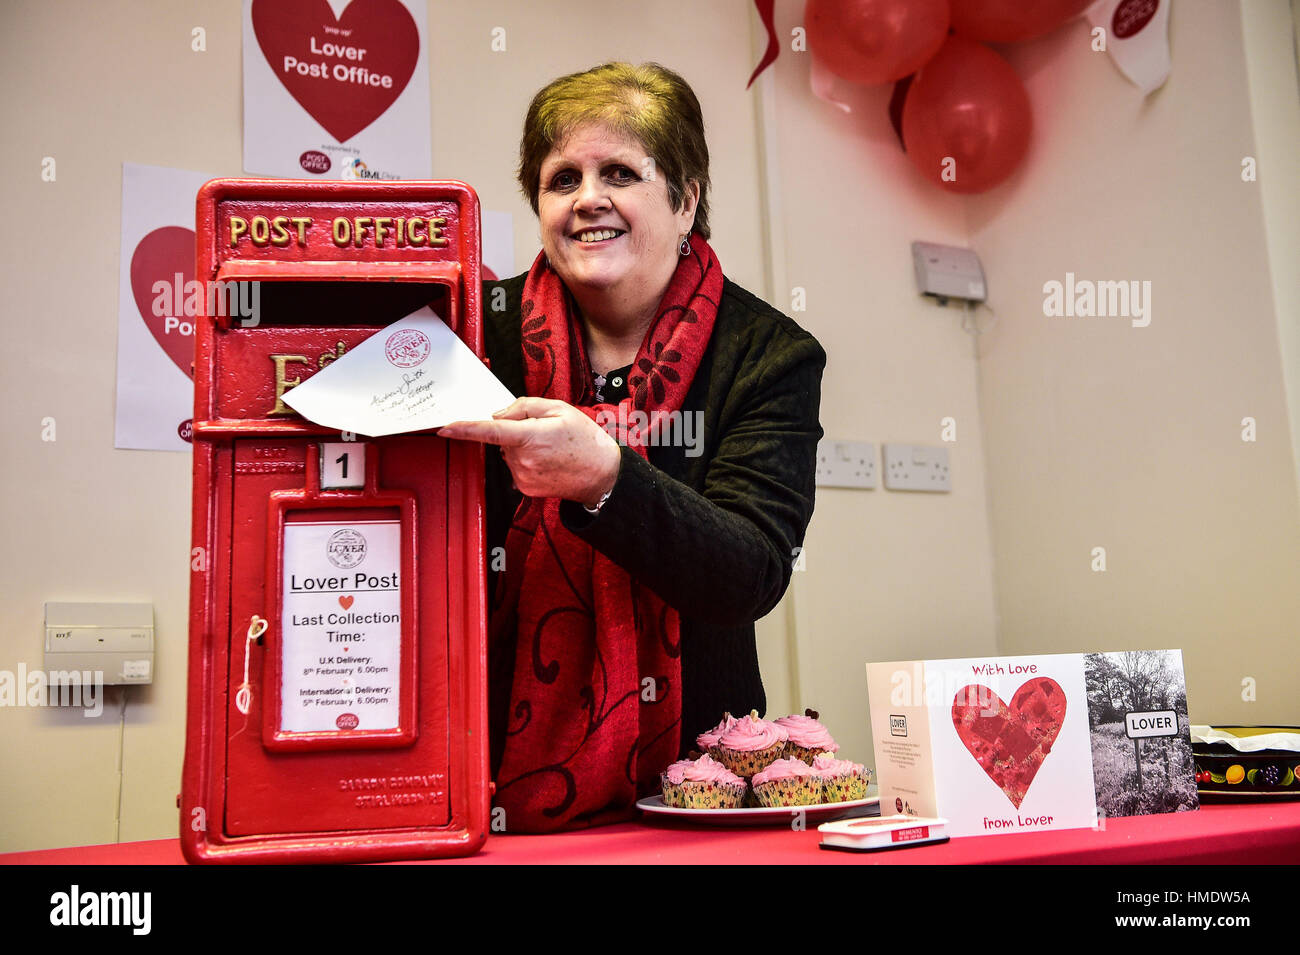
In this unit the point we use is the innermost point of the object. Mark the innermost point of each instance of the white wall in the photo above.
(889, 575)
(1271, 37)
(1101, 434)
(93, 85)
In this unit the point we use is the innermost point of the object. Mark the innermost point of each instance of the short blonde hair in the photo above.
(649, 103)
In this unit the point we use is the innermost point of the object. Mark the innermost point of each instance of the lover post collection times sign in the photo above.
(341, 626)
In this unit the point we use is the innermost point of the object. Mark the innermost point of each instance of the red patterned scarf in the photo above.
(594, 708)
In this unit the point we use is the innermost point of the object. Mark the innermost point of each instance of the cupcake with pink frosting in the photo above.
(708, 740)
(788, 782)
(842, 780)
(751, 744)
(808, 738)
(702, 783)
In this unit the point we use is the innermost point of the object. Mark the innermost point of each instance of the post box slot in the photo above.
(327, 304)
(302, 327)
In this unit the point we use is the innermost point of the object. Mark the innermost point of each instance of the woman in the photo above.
(639, 550)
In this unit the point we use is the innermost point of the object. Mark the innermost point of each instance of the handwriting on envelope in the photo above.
(410, 376)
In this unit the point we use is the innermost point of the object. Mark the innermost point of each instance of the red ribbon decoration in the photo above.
(896, 102)
(766, 13)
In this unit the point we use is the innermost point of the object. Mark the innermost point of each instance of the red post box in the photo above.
(337, 655)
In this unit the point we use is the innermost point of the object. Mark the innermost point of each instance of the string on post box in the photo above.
(244, 698)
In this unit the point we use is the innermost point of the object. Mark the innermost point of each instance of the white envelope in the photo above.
(409, 376)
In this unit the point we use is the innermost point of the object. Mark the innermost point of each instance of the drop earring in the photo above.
(685, 247)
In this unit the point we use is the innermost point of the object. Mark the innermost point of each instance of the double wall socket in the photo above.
(917, 467)
(846, 464)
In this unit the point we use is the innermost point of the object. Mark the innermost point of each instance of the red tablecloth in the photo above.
(1216, 835)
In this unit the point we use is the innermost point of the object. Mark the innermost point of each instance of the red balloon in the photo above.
(875, 41)
(1010, 21)
(967, 114)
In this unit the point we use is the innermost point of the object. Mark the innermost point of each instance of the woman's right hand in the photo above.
(551, 448)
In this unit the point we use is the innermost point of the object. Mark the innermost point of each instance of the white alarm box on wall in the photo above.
(115, 640)
(947, 271)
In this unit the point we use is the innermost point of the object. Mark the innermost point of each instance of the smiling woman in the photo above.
(609, 232)
(634, 567)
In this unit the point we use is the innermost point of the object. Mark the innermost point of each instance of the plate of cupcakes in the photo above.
(752, 771)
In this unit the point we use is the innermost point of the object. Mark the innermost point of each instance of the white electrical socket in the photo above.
(846, 463)
(917, 467)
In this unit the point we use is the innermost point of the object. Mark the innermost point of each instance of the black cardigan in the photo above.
(715, 534)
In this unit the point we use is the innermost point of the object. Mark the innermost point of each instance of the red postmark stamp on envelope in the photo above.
(407, 348)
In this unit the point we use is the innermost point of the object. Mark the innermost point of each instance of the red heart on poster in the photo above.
(1010, 742)
(337, 68)
(161, 256)
(346, 602)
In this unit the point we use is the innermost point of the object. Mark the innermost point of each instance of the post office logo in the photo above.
(315, 161)
(1131, 16)
(407, 348)
(346, 548)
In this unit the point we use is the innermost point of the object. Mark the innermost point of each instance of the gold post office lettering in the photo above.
(376, 232)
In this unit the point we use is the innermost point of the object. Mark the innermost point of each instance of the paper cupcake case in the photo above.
(702, 795)
(790, 791)
(845, 788)
(746, 764)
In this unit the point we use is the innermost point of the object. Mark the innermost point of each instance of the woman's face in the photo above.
(599, 182)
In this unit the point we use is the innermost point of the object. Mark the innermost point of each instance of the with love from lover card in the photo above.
(1026, 743)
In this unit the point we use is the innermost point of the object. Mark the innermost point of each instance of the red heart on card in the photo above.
(161, 256)
(346, 602)
(1010, 742)
(374, 40)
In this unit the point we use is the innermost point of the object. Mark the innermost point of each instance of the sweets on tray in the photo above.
(751, 745)
(751, 763)
(842, 780)
(808, 738)
(788, 782)
(708, 740)
(702, 783)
